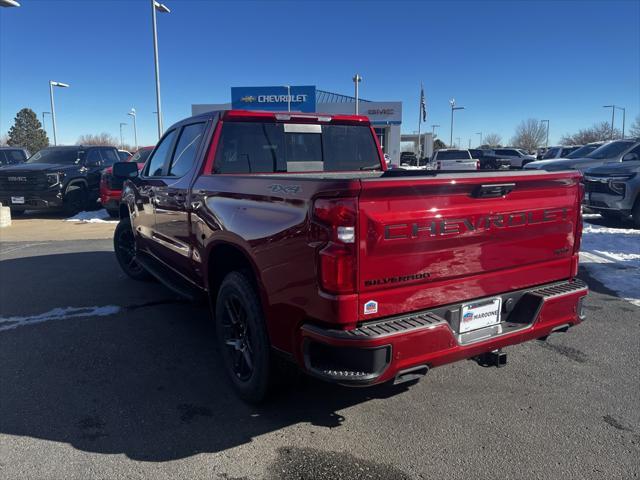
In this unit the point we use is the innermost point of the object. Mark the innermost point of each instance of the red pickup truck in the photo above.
(308, 249)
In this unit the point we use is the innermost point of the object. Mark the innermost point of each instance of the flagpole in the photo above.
(419, 123)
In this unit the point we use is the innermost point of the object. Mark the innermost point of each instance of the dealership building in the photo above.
(386, 116)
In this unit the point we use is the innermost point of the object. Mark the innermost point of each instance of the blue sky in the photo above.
(504, 61)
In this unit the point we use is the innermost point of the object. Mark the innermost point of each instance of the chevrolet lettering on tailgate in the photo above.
(459, 226)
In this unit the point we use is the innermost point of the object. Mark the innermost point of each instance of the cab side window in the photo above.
(186, 149)
(109, 157)
(155, 165)
(93, 157)
(635, 151)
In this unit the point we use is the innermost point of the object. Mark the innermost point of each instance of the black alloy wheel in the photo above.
(242, 338)
(124, 244)
(237, 338)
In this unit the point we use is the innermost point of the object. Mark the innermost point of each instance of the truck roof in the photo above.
(262, 115)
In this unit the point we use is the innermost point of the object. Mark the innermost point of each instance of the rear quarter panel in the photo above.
(267, 217)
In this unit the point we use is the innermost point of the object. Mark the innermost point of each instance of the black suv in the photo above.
(488, 160)
(66, 178)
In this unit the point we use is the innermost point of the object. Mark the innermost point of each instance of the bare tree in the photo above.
(4, 140)
(492, 140)
(103, 138)
(530, 134)
(596, 133)
(634, 131)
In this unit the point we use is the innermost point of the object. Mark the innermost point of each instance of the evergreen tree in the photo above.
(27, 132)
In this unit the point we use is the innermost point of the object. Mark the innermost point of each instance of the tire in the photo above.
(113, 213)
(125, 249)
(611, 215)
(635, 213)
(242, 338)
(16, 213)
(75, 199)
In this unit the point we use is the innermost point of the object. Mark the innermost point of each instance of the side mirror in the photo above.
(629, 157)
(125, 170)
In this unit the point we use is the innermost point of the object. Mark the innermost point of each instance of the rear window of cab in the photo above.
(263, 147)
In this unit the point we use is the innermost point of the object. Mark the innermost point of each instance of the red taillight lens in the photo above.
(337, 260)
(338, 268)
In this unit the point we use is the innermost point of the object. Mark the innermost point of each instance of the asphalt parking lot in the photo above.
(104, 377)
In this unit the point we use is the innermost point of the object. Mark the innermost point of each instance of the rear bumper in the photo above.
(378, 351)
(110, 199)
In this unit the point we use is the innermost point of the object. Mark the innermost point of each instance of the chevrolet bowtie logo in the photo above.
(248, 99)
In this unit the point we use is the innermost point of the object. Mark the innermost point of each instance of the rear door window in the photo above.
(186, 149)
(109, 157)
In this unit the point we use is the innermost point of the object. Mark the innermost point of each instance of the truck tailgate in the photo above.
(431, 241)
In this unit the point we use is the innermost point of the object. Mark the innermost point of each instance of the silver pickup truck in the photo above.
(453, 159)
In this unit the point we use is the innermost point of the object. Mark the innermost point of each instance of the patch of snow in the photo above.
(9, 323)
(98, 216)
(612, 256)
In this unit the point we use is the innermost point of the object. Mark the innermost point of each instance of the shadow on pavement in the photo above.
(145, 382)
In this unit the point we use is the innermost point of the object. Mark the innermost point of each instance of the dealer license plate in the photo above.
(17, 200)
(480, 314)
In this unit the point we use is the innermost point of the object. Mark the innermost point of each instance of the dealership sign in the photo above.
(300, 98)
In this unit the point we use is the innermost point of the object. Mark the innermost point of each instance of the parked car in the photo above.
(12, 155)
(540, 152)
(64, 178)
(124, 155)
(408, 159)
(453, 159)
(111, 187)
(584, 150)
(613, 190)
(613, 151)
(310, 252)
(562, 151)
(517, 157)
(488, 159)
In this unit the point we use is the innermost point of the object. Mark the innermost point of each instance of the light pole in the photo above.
(356, 80)
(546, 142)
(613, 116)
(43, 113)
(53, 108)
(132, 114)
(162, 9)
(480, 133)
(452, 102)
(121, 141)
(613, 110)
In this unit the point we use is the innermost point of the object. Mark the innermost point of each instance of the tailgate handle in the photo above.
(493, 190)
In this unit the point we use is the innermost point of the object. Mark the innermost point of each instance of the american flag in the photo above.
(423, 104)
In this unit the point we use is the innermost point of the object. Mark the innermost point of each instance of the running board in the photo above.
(169, 278)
